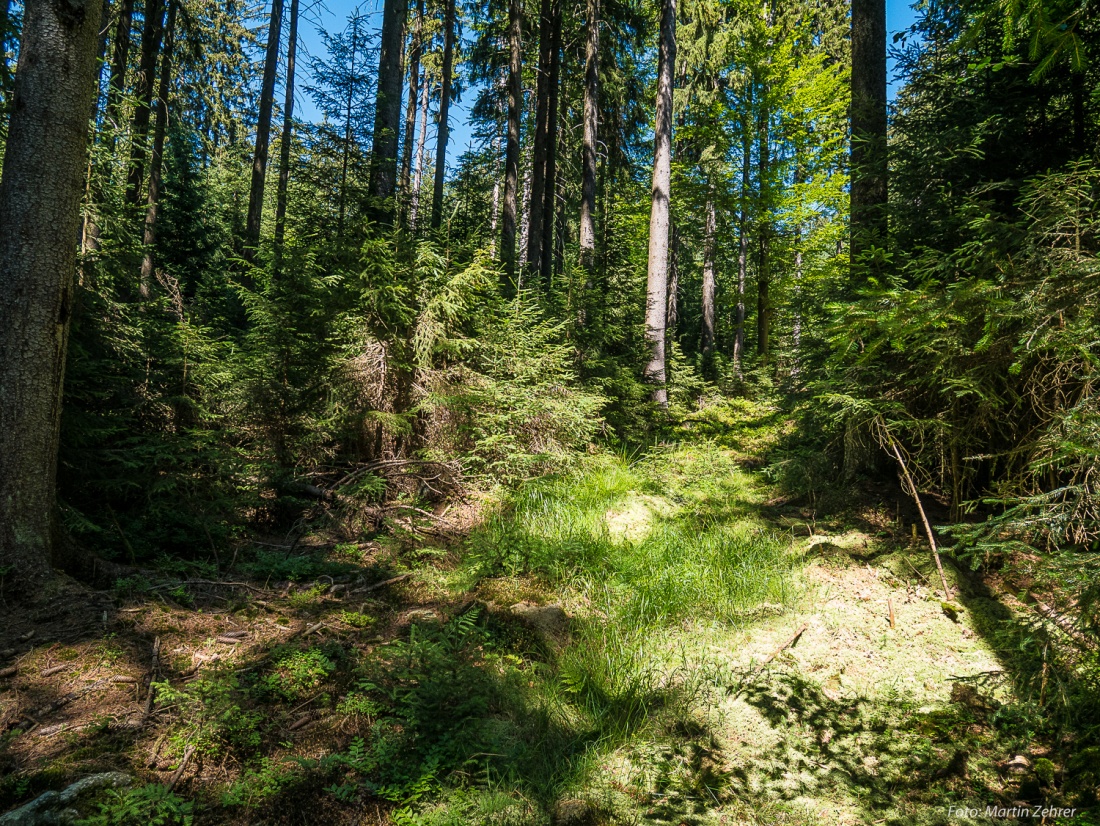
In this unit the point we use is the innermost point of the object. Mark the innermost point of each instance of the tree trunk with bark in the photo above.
(151, 31)
(382, 184)
(511, 154)
(591, 135)
(263, 127)
(657, 278)
(550, 182)
(40, 192)
(415, 50)
(763, 264)
(286, 140)
(707, 343)
(742, 250)
(537, 202)
(444, 131)
(868, 116)
(156, 159)
(414, 207)
(120, 59)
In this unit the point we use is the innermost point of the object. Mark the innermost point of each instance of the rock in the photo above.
(549, 622)
(573, 812)
(54, 808)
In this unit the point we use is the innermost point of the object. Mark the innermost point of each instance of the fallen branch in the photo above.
(924, 518)
(382, 584)
(791, 641)
(190, 750)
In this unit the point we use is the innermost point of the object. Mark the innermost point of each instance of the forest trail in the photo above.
(611, 645)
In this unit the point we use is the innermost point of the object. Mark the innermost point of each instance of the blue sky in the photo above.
(332, 15)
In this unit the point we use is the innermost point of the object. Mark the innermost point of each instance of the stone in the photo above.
(549, 622)
(574, 812)
(54, 808)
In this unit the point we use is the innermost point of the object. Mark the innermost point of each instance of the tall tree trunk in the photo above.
(120, 59)
(156, 160)
(707, 343)
(347, 137)
(263, 127)
(763, 267)
(533, 238)
(417, 47)
(444, 131)
(742, 248)
(40, 192)
(387, 111)
(869, 158)
(588, 151)
(657, 278)
(286, 140)
(151, 32)
(550, 182)
(673, 314)
(511, 155)
(414, 207)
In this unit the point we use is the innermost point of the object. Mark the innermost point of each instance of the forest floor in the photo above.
(652, 639)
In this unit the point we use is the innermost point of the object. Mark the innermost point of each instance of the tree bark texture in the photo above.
(40, 192)
(591, 135)
(286, 140)
(387, 110)
(511, 153)
(120, 59)
(550, 182)
(708, 279)
(263, 127)
(657, 277)
(156, 159)
(414, 207)
(763, 264)
(444, 130)
(415, 50)
(151, 31)
(533, 251)
(868, 117)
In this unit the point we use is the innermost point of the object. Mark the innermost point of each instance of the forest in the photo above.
(550, 412)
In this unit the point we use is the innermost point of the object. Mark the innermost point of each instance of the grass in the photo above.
(430, 702)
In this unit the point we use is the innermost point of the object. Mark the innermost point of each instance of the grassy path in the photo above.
(606, 646)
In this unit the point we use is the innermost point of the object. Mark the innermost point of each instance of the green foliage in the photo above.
(296, 673)
(152, 804)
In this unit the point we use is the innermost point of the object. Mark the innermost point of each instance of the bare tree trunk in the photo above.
(591, 125)
(417, 47)
(286, 140)
(657, 279)
(444, 133)
(40, 192)
(494, 212)
(387, 111)
(869, 151)
(550, 183)
(532, 239)
(156, 160)
(347, 137)
(742, 249)
(673, 314)
(763, 268)
(708, 281)
(150, 47)
(414, 207)
(263, 127)
(511, 156)
(120, 58)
